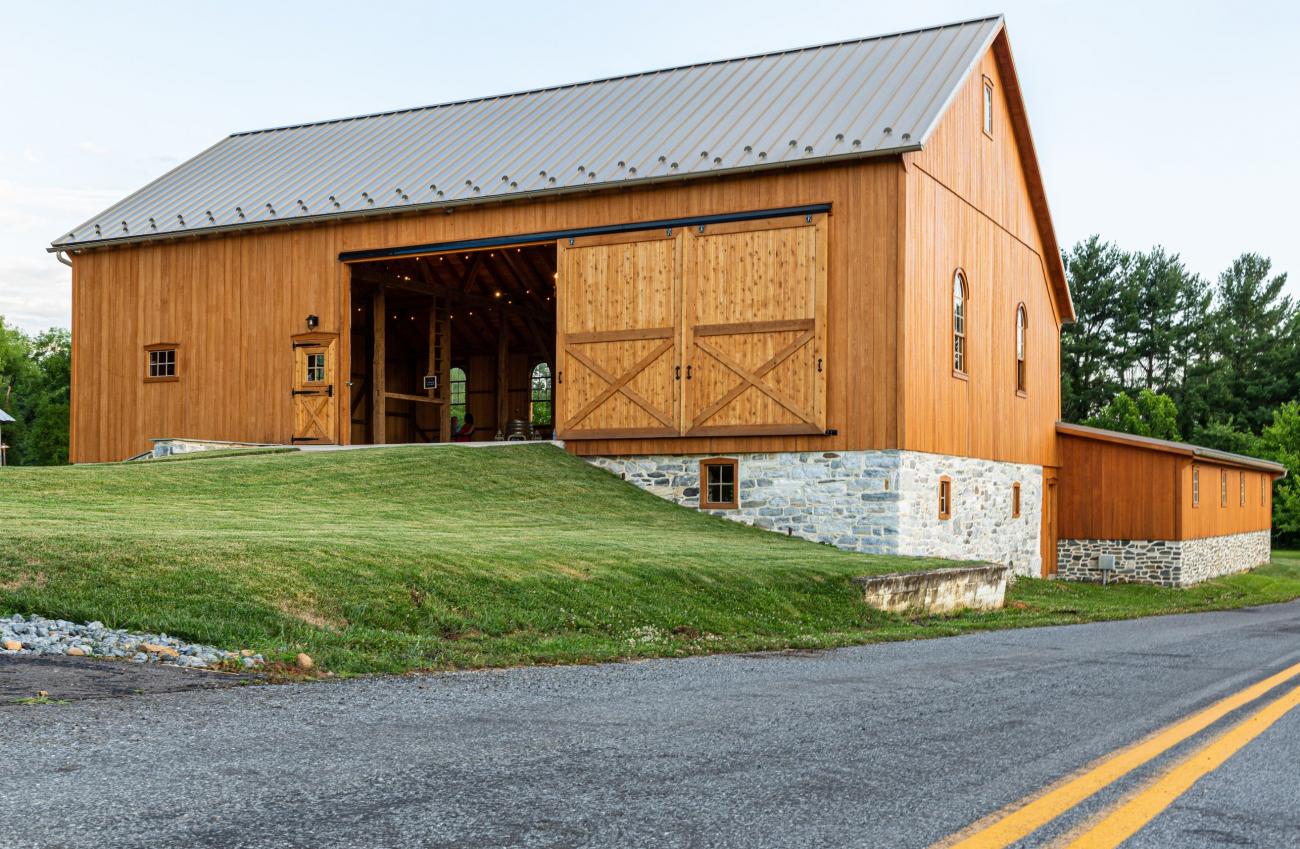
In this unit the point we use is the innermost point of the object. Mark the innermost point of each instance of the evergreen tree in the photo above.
(1093, 348)
(1169, 307)
(1280, 441)
(1254, 327)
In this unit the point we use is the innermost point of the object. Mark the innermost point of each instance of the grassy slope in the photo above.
(400, 559)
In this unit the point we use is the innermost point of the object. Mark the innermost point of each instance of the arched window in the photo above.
(541, 394)
(458, 384)
(1021, 321)
(959, 298)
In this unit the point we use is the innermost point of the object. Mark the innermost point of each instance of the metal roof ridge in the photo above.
(617, 77)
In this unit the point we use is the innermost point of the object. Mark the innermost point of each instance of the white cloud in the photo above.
(96, 149)
(34, 287)
(32, 155)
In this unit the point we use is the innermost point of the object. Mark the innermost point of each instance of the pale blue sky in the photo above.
(1170, 123)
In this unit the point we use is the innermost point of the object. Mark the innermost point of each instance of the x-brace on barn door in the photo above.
(714, 330)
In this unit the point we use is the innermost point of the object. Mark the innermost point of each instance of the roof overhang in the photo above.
(1165, 446)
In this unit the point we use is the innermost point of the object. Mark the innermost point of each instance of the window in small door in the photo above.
(719, 484)
(316, 368)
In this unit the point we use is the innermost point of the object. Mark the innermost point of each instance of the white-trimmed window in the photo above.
(988, 108)
(960, 315)
(1022, 322)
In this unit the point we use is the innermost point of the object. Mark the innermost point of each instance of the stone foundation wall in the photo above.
(1170, 563)
(1210, 557)
(879, 502)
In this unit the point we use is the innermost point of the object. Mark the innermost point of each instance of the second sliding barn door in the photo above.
(618, 335)
(754, 328)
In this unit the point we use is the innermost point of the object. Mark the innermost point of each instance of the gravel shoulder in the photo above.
(73, 678)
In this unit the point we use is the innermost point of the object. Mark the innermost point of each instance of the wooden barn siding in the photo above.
(1211, 519)
(233, 301)
(1111, 491)
(967, 206)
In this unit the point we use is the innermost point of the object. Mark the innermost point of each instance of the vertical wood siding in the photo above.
(968, 208)
(232, 302)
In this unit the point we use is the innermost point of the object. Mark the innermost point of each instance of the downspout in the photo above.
(63, 258)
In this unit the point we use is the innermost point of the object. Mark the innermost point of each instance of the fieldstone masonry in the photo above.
(1170, 563)
(879, 502)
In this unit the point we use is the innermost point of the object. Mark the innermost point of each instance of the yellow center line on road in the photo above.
(1022, 818)
(1130, 815)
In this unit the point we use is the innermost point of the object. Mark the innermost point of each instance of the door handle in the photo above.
(688, 372)
(677, 373)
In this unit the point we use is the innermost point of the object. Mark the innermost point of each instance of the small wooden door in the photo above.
(1049, 523)
(314, 376)
(754, 327)
(618, 335)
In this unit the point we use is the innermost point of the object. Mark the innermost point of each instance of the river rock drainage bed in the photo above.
(37, 635)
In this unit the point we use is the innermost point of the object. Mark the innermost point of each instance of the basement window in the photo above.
(945, 497)
(719, 484)
(1015, 500)
(161, 363)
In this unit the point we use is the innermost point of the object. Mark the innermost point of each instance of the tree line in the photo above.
(35, 381)
(1158, 350)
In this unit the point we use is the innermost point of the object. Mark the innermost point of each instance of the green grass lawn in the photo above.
(408, 558)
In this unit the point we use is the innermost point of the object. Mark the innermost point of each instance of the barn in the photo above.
(817, 290)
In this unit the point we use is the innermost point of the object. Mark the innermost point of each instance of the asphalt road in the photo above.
(895, 745)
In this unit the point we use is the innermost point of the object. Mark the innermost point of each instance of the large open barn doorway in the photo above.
(453, 346)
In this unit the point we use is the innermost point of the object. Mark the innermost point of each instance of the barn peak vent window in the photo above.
(960, 296)
(719, 484)
(987, 112)
(945, 497)
(161, 362)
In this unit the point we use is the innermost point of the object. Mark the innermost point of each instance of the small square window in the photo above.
(719, 484)
(945, 497)
(315, 368)
(160, 363)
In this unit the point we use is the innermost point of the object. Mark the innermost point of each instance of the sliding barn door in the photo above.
(754, 329)
(618, 335)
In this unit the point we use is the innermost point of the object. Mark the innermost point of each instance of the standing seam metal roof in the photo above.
(866, 97)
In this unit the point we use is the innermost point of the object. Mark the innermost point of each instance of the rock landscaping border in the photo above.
(37, 635)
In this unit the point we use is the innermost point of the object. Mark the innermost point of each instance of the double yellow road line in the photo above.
(1021, 819)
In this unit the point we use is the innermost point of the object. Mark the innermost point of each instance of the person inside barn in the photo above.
(466, 432)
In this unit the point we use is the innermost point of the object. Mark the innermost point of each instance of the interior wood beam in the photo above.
(503, 374)
(379, 382)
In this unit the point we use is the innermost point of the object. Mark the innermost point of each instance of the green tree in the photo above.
(35, 381)
(1169, 307)
(1280, 442)
(1224, 435)
(1254, 328)
(1093, 349)
(1150, 414)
